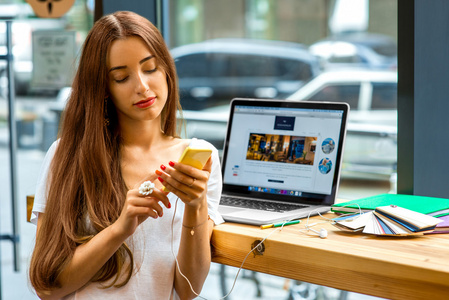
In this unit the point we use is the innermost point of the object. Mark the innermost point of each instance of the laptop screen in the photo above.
(284, 149)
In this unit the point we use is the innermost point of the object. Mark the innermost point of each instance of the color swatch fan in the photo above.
(388, 220)
(394, 220)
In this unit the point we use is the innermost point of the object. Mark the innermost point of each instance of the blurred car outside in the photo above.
(23, 24)
(213, 72)
(371, 142)
(371, 94)
(366, 50)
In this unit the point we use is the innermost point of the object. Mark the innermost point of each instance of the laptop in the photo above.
(281, 159)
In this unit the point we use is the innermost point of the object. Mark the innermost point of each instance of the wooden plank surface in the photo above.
(389, 267)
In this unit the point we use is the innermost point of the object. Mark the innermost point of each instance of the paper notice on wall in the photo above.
(53, 59)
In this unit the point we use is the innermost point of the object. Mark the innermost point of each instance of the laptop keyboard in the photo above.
(261, 205)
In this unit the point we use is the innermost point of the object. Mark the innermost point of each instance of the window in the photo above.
(251, 66)
(195, 65)
(384, 96)
(339, 93)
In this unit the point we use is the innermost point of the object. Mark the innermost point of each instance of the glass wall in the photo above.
(324, 50)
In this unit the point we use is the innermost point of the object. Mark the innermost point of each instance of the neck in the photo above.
(141, 133)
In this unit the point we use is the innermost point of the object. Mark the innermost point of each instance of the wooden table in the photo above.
(390, 267)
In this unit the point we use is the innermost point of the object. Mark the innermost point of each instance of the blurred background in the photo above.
(319, 50)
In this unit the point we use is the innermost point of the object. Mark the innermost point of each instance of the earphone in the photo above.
(308, 227)
(322, 233)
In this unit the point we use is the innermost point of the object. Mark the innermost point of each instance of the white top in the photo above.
(151, 243)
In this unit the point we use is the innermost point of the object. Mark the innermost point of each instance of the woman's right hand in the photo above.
(138, 208)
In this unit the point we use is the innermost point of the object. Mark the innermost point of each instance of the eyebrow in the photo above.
(124, 67)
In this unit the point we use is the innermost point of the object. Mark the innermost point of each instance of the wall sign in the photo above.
(53, 58)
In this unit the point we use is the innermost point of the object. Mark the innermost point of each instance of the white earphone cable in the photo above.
(173, 252)
(240, 268)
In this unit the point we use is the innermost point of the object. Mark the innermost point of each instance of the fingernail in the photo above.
(163, 167)
(169, 205)
(160, 179)
(158, 172)
(171, 164)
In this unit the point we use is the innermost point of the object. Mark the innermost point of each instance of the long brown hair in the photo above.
(86, 191)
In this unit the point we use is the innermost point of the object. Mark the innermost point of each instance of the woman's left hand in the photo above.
(186, 182)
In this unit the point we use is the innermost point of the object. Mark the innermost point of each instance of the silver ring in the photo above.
(146, 188)
(192, 182)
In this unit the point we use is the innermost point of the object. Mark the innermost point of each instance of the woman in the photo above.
(97, 234)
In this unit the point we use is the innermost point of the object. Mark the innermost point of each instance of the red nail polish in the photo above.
(163, 167)
(169, 205)
(160, 179)
(158, 172)
(171, 164)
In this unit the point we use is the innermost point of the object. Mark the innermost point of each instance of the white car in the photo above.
(371, 144)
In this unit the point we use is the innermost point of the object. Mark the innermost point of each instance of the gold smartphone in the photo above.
(195, 157)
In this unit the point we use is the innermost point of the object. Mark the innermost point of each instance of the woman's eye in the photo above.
(121, 80)
(150, 71)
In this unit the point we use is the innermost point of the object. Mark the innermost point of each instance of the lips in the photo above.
(145, 103)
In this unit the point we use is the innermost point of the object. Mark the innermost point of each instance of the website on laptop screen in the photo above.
(282, 150)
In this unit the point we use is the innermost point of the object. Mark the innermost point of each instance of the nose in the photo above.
(142, 85)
